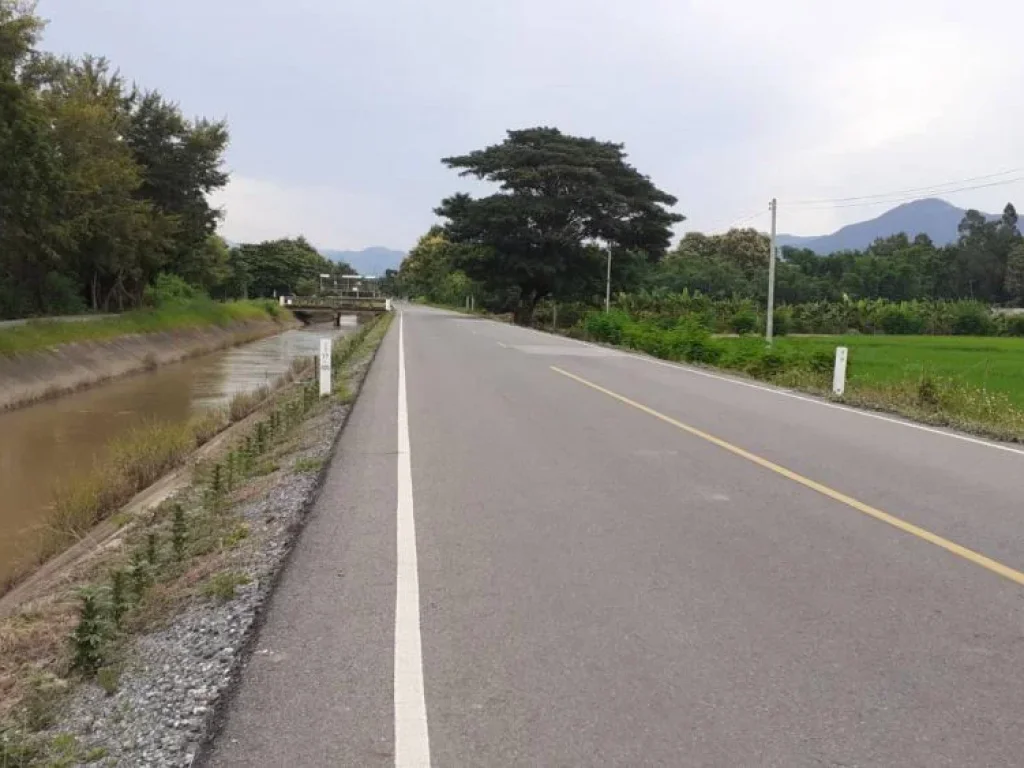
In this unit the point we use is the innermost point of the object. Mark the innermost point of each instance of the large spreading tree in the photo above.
(561, 201)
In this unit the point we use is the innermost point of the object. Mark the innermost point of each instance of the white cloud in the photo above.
(340, 111)
(257, 209)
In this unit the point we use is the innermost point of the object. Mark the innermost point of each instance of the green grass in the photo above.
(995, 364)
(44, 334)
(223, 586)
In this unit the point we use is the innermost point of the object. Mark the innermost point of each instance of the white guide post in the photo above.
(325, 367)
(839, 375)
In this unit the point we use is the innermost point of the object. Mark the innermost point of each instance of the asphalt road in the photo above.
(622, 562)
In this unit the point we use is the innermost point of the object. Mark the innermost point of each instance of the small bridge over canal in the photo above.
(311, 308)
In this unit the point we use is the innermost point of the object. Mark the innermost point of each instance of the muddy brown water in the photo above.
(50, 442)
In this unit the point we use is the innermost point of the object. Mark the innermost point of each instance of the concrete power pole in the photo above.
(770, 319)
(608, 283)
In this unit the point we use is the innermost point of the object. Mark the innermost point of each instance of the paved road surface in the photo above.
(637, 564)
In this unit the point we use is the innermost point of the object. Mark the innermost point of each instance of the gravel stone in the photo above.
(176, 678)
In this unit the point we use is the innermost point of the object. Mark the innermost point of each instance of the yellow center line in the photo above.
(950, 546)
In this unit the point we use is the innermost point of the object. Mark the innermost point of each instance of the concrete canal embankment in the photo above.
(33, 376)
(54, 443)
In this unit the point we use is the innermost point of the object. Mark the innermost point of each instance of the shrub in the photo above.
(782, 321)
(1015, 325)
(697, 345)
(743, 322)
(606, 326)
(170, 290)
(222, 586)
(89, 636)
(927, 393)
(820, 361)
(768, 364)
(900, 320)
(971, 320)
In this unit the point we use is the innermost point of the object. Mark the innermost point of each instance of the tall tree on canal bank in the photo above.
(102, 188)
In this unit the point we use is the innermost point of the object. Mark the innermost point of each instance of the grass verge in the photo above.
(973, 384)
(993, 364)
(191, 547)
(44, 334)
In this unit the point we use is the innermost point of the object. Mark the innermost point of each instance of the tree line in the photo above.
(986, 264)
(106, 185)
(564, 202)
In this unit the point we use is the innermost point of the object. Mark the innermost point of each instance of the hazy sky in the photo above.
(340, 109)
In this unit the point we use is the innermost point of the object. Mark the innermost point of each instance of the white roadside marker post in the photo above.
(839, 375)
(325, 367)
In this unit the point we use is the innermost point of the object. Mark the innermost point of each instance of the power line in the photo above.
(745, 219)
(931, 188)
(736, 221)
(891, 200)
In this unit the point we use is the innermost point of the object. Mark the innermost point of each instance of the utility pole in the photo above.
(608, 283)
(769, 324)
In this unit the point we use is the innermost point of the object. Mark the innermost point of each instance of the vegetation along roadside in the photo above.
(964, 382)
(125, 660)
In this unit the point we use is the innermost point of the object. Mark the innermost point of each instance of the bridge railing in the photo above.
(340, 303)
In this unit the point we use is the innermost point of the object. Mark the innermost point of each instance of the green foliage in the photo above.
(141, 575)
(991, 364)
(90, 634)
(223, 586)
(152, 545)
(986, 264)
(308, 465)
(559, 194)
(822, 317)
(278, 267)
(1015, 325)
(170, 290)
(744, 322)
(118, 596)
(899, 320)
(43, 334)
(179, 533)
(606, 326)
(971, 320)
(782, 321)
(108, 678)
(103, 187)
(1014, 281)
(18, 750)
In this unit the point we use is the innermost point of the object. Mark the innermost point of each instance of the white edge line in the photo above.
(412, 742)
(778, 391)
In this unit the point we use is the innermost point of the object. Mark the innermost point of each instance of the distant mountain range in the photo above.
(933, 217)
(375, 260)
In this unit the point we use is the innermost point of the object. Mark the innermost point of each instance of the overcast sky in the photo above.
(340, 109)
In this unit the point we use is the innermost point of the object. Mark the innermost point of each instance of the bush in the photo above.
(170, 290)
(606, 326)
(821, 361)
(900, 320)
(697, 346)
(743, 322)
(971, 320)
(782, 321)
(1015, 325)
